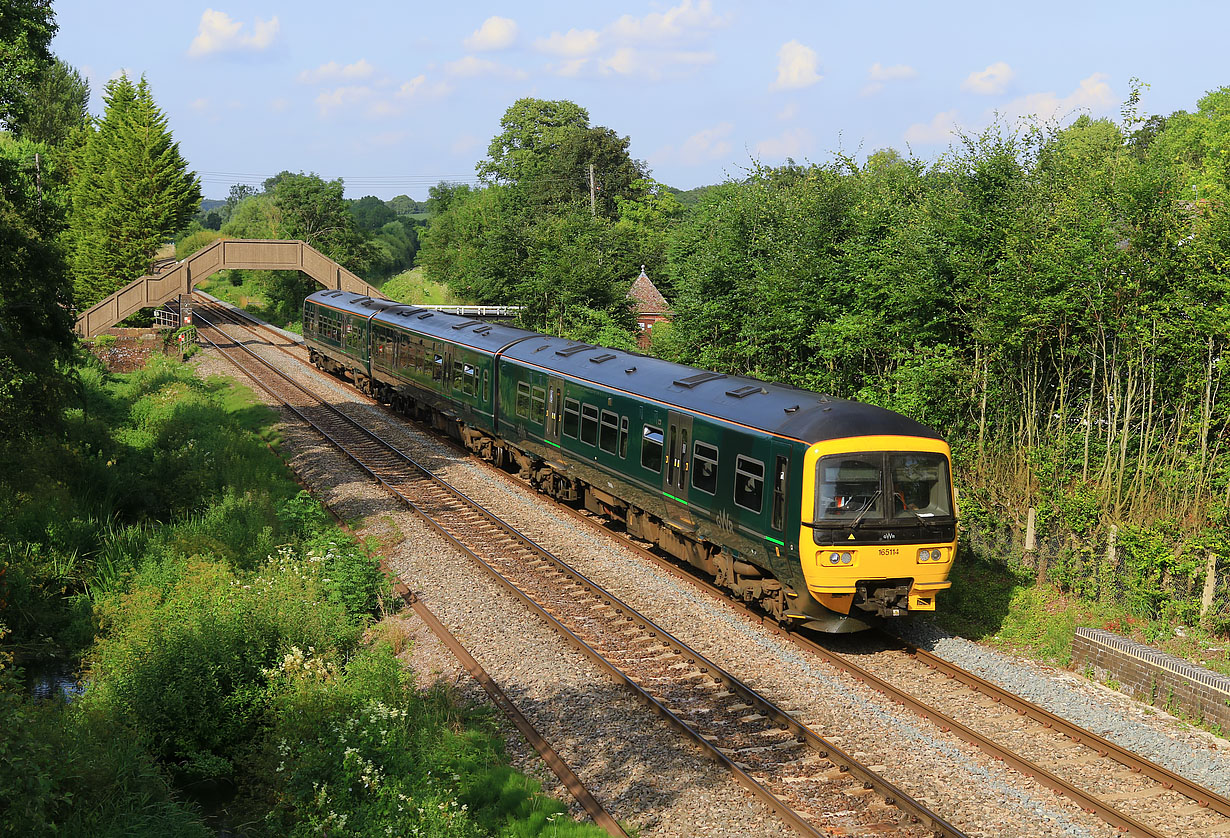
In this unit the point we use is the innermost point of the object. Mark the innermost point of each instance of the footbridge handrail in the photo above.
(225, 254)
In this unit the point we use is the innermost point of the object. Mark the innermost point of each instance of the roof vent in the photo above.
(630, 370)
(792, 409)
(427, 314)
(464, 323)
(569, 351)
(601, 359)
(745, 391)
(700, 378)
(483, 330)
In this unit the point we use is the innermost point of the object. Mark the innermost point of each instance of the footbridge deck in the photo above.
(224, 254)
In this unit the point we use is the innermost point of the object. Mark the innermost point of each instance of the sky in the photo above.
(394, 97)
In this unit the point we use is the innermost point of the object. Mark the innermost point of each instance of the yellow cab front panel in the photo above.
(878, 532)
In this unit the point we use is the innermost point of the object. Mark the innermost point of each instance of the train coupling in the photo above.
(884, 598)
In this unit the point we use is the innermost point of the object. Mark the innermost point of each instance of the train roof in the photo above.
(482, 335)
(773, 408)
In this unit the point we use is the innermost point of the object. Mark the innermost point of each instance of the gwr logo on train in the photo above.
(781, 495)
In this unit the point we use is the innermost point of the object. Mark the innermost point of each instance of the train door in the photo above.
(677, 468)
(555, 410)
(779, 487)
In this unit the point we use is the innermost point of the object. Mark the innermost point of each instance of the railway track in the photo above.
(810, 782)
(1123, 788)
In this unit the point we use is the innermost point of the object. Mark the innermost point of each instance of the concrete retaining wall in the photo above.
(1154, 676)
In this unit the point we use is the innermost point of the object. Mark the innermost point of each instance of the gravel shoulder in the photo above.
(643, 771)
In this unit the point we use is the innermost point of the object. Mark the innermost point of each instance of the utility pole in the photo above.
(593, 192)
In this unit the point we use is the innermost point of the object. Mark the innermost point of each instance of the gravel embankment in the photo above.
(638, 767)
(589, 719)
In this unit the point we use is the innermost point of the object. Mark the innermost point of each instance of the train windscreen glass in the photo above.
(920, 486)
(866, 486)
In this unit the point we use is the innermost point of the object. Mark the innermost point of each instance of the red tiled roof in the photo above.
(648, 298)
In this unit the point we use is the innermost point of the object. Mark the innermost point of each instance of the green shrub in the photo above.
(184, 656)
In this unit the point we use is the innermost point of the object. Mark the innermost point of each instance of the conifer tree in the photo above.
(132, 191)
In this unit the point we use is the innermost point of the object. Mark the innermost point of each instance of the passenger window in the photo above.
(672, 457)
(589, 424)
(539, 406)
(572, 417)
(470, 379)
(651, 449)
(609, 437)
(523, 400)
(486, 385)
(749, 483)
(623, 437)
(704, 467)
(781, 474)
(437, 372)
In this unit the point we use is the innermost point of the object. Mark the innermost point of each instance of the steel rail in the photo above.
(844, 762)
(1170, 780)
(550, 756)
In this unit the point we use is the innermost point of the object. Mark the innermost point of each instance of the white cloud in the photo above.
(624, 61)
(495, 33)
(201, 104)
(879, 75)
(217, 32)
(571, 44)
(792, 143)
(709, 144)
(279, 105)
(420, 86)
(122, 71)
(789, 112)
(797, 66)
(471, 67)
(1092, 94)
(894, 72)
(343, 97)
(680, 21)
(568, 69)
(938, 130)
(991, 81)
(331, 71)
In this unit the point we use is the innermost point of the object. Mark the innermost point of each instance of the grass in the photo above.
(411, 287)
(995, 603)
(232, 648)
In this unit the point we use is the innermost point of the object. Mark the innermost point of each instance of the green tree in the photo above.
(35, 327)
(133, 189)
(315, 211)
(532, 130)
(26, 30)
(371, 213)
(59, 105)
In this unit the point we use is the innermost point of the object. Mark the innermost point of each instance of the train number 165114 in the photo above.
(889, 551)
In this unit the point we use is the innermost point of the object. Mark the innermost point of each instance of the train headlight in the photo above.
(834, 558)
(846, 558)
(924, 555)
(936, 555)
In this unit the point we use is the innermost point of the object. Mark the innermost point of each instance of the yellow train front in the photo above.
(878, 532)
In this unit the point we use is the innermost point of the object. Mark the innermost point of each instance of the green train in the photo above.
(827, 513)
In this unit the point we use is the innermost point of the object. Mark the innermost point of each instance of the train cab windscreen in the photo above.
(882, 487)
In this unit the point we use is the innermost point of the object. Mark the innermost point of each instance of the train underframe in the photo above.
(742, 579)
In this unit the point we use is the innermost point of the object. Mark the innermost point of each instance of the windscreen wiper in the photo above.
(870, 503)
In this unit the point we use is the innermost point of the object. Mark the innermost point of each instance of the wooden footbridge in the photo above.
(225, 254)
